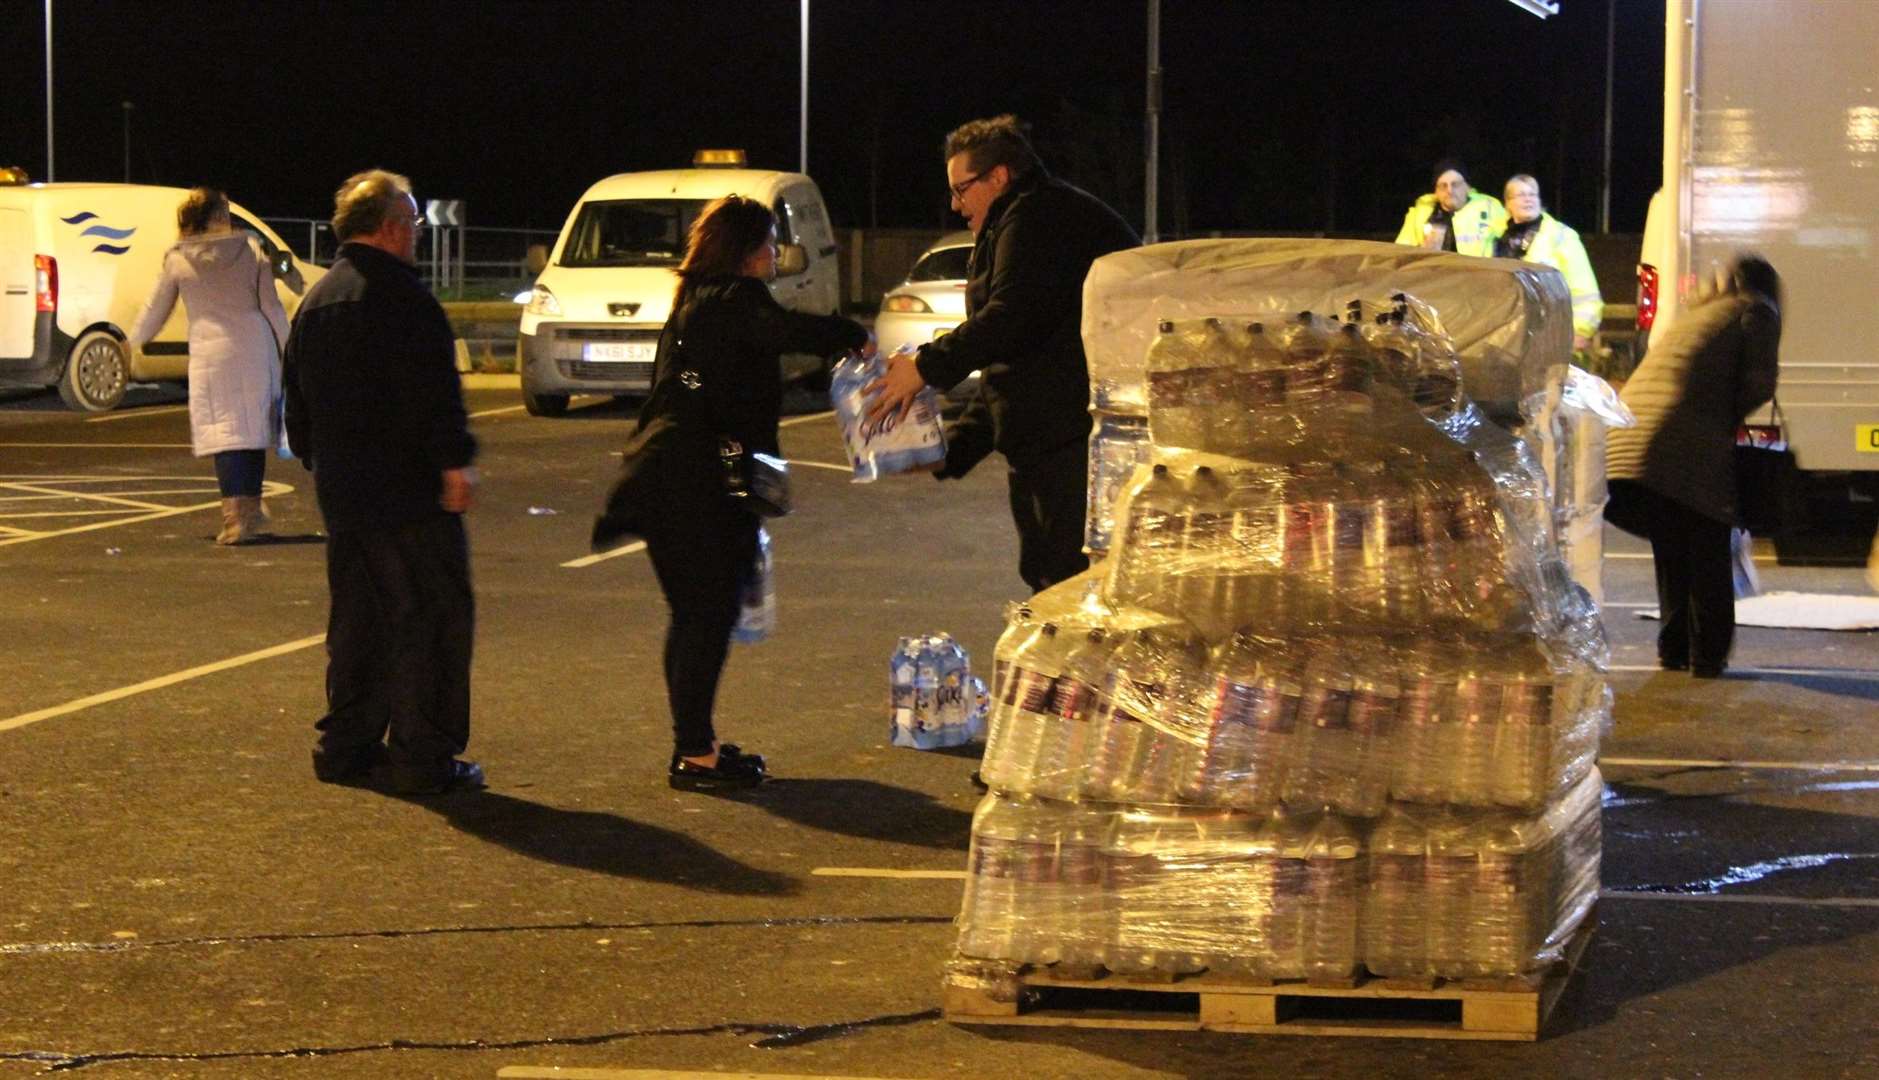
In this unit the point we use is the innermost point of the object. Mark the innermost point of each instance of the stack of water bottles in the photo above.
(935, 698)
(1331, 702)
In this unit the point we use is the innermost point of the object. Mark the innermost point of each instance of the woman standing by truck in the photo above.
(236, 326)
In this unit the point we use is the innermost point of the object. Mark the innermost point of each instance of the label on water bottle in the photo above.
(1401, 526)
(996, 857)
(1477, 701)
(1177, 389)
(1417, 706)
(1071, 698)
(1326, 705)
(1527, 703)
(1350, 519)
(1080, 865)
(1372, 709)
(1031, 691)
(1259, 389)
(1396, 869)
(1347, 375)
(1261, 706)
(1498, 872)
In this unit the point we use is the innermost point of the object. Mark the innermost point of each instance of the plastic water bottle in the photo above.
(1524, 775)
(1478, 685)
(1196, 572)
(927, 722)
(1425, 729)
(1118, 444)
(1038, 938)
(1156, 885)
(892, 444)
(1448, 891)
(1308, 546)
(1080, 878)
(1349, 373)
(1508, 881)
(1153, 530)
(1284, 842)
(756, 616)
(1257, 417)
(977, 718)
(1376, 696)
(995, 865)
(1395, 921)
(1325, 755)
(1331, 869)
(902, 728)
(1071, 715)
(1129, 694)
(1252, 719)
(952, 710)
(1178, 372)
(1166, 756)
(1306, 345)
(1011, 756)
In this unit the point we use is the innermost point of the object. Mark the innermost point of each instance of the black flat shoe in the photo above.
(732, 771)
(731, 751)
(1708, 671)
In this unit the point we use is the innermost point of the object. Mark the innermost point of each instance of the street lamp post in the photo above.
(127, 108)
(51, 173)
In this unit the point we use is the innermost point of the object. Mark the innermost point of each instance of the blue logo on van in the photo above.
(105, 231)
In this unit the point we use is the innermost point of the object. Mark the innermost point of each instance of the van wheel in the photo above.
(96, 373)
(544, 404)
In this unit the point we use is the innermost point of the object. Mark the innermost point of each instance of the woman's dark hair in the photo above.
(199, 210)
(722, 237)
(1758, 275)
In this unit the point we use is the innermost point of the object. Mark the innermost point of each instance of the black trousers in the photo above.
(239, 472)
(1695, 585)
(1049, 499)
(398, 643)
(702, 555)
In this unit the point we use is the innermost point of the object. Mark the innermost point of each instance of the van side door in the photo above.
(19, 302)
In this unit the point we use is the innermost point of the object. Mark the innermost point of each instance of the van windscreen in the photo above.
(630, 232)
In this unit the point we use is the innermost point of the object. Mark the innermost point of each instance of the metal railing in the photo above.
(456, 261)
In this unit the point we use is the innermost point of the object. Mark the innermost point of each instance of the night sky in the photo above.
(1279, 116)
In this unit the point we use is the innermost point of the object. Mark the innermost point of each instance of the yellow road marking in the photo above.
(102, 445)
(133, 503)
(557, 1072)
(873, 872)
(134, 414)
(159, 682)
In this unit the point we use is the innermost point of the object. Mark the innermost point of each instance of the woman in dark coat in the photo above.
(717, 376)
(1673, 475)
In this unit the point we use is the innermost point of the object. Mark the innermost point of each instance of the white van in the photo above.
(592, 322)
(77, 262)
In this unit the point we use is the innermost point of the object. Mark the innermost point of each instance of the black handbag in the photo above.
(1766, 493)
(758, 481)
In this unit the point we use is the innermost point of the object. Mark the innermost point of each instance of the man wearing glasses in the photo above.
(1034, 239)
(375, 409)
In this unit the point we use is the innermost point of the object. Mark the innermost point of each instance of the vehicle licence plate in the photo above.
(619, 352)
(1866, 438)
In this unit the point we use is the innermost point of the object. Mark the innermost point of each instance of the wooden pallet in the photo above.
(1514, 1010)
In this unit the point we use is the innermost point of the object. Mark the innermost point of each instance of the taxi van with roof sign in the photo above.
(77, 263)
(592, 321)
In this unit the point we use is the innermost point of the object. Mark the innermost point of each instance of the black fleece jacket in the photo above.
(374, 405)
(1024, 323)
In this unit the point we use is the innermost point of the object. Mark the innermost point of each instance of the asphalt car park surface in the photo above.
(178, 897)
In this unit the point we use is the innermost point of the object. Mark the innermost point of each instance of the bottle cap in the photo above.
(1167, 326)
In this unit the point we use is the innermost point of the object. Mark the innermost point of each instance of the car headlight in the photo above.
(906, 305)
(542, 302)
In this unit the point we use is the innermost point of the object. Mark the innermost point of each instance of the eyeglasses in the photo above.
(959, 190)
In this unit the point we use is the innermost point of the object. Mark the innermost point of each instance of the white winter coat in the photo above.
(236, 327)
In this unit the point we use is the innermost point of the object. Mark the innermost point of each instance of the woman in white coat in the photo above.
(236, 326)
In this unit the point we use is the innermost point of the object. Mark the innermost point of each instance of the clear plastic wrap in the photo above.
(1511, 321)
(1173, 890)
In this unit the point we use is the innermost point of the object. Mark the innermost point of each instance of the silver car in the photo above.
(929, 303)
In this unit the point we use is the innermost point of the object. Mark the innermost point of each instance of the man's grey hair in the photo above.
(364, 201)
(989, 143)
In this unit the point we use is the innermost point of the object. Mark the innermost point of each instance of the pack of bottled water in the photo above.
(934, 698)
(1171, 890)
(893, 444)
(756, 613)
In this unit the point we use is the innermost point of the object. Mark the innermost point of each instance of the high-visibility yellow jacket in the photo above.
(1557, 244)
(1476, 224)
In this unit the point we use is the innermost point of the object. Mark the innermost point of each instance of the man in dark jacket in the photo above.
(375, 409)
(1035, 237)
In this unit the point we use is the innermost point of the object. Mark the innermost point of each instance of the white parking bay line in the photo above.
(134, 520)
(134, 414)
(589, 560)
(100, 445)
(874, 872)
(159, 682)
(558, 1072)
(794, 420)
(820, 465)
(498, 412)
(1743, 898)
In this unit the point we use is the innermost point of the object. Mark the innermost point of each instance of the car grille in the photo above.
(630, 374)
(604, 333)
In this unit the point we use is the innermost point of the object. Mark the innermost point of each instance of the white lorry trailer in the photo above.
(1771, 144)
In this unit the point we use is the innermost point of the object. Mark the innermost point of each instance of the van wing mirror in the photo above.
(283, 262)
(791, 260)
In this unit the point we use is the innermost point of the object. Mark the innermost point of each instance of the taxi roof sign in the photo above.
(704, 159)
